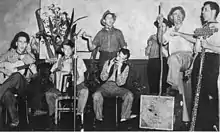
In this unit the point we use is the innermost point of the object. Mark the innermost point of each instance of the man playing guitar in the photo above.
(16, 78)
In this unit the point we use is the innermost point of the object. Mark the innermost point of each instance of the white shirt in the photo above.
(212, 40)
(177, 43)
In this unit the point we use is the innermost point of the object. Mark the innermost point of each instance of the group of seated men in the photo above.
(20, 73)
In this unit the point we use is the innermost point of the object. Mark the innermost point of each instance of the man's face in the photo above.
(164, 27)
(207, 13)
(68, 51)
(177, 17)
(21, 44)
(121, 57)
(109, 20)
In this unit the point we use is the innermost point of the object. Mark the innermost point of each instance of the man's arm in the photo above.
(149, 45)
(105, 70)
(81, 67)
(121, 39)
(6, 71)
(188, 37)
(92, 44)
(122, 76)
(4, 57)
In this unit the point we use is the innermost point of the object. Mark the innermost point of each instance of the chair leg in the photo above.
(116, 111)
(27, 111)
(82, 118)
(56, 111)
(6, 116)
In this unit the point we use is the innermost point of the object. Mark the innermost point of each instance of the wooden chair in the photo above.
(65, 102)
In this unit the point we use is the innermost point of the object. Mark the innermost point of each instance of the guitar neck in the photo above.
(22, 67)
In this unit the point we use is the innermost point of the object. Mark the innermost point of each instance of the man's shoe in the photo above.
(97, 124)
(14, 123)
(131, 117)
(39, 112)
(79, 122)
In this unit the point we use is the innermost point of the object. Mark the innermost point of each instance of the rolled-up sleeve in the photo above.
(121, 39)
(97, 40)
(105, 74)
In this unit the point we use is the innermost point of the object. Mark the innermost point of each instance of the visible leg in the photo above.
(10, 103)
(17, 81)
(51, 96)
(173, 72)
(98, 104)
(127, 105)
(82, 99)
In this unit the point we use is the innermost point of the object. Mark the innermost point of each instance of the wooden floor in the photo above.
(41, 123)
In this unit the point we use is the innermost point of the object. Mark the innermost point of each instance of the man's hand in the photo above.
(160, 19)
(112, 61)
(85, 35)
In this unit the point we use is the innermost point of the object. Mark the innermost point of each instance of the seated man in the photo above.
(15, 78)
(65, 64)
(115, 73)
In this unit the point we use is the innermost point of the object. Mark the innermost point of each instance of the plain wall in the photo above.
(134, 17)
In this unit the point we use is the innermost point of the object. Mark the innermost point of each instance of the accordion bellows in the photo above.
(63, 80)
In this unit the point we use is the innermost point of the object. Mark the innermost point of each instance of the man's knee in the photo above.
(8, 97)
(84, 92)
(17, 75)
(128, 96)
(173, 60)
(50, 95)
(97, 96)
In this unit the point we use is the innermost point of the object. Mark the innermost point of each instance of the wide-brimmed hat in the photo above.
(104, 15)
(168, 23)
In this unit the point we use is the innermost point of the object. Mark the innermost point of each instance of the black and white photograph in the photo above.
(109, 65)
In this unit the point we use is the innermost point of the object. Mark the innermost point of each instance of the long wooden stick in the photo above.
(160, 49)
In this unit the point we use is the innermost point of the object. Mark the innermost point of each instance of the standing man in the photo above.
(208, 106)
(15, 79)
(181, 51)
(152, 51)
(108, 40)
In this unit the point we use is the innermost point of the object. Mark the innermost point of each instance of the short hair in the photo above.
(15, 39)
(173, 10)
(213, 6)
(125, 52)
(68, 43)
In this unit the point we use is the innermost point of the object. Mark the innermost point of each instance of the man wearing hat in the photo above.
(152, 51)
(180, 51)
(109, 40)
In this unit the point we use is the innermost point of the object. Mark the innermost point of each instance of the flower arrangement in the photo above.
(55, 26)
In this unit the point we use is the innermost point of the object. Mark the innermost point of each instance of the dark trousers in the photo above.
(36, 92)
(153, 73)
(15, 83)
(207, 115)
(9, 101)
